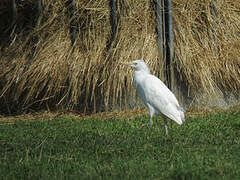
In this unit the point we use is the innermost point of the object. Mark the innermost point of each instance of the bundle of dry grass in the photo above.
(40, 68)
(210, 69)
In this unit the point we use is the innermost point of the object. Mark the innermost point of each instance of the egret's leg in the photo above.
(151, 113)
(165, 125)
(151, 122)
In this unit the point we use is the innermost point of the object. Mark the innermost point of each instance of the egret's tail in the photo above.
(174, 113)
(176, 117)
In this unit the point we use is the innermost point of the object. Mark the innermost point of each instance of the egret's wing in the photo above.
(161, 98)
(141, 92)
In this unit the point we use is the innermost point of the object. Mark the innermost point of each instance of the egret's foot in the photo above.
(165, 125)
(150, 126)
(166, 130)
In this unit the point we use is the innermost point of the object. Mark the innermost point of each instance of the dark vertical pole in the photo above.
(114, 20)
(73, 21)
(213, 8)
(166, 47)
(169, 44)
(36, 21)
(38, 12)
(160, 28)
(13, 12)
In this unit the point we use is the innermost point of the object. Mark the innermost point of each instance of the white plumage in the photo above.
(155, 94)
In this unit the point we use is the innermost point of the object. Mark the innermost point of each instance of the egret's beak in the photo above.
(126, 63)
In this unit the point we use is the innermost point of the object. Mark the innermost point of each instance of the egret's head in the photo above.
(138, 65)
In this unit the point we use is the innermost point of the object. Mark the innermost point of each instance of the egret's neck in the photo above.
(139, 75)
(140, 72)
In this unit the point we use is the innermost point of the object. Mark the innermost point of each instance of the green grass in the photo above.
(65, 148)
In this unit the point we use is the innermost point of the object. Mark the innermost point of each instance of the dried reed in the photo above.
(40, 68)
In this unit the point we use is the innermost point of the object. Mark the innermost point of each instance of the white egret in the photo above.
(155, 94)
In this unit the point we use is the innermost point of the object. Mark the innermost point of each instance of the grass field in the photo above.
(206, 147)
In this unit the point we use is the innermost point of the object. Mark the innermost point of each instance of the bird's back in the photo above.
(154, 92)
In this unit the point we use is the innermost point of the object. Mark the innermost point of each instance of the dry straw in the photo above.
(39, 68)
